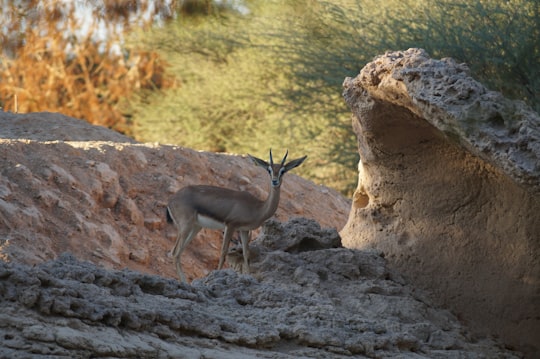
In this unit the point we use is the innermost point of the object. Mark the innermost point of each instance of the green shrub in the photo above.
(273, 77)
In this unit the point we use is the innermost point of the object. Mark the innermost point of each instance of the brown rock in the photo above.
(448, 189)
(67, 186)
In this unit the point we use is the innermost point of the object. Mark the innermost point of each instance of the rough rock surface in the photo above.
(449, 189)
(307, 299)
(66, 185)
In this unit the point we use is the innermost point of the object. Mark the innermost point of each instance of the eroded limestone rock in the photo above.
(309, 303)
(448, 189)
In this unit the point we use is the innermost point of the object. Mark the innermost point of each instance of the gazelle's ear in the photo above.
(294, 163)
(259, 162)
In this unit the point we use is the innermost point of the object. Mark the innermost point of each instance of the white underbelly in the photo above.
(208, 222)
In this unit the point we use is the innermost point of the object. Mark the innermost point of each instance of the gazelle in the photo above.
(195, 207)
(235, 257)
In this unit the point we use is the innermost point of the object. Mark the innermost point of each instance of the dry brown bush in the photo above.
(46, 67)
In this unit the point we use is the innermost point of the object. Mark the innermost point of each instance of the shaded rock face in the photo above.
(66, 185)
(299, 303)
(449, 191)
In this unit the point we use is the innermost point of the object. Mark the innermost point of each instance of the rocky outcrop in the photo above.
(307, 298)
(451, 200)
(449, 189)
(66, 185)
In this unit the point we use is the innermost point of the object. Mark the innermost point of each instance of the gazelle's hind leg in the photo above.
(184, 237)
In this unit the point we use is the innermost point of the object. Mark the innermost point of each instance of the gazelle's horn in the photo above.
(271, 159)
(284, 158)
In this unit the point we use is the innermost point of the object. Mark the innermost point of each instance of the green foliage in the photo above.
(272, 77)
(499, 40)
(232, 96)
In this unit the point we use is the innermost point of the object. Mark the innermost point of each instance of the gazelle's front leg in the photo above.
(244, 236)
(225, 246)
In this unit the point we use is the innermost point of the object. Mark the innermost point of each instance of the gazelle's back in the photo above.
(224, 202)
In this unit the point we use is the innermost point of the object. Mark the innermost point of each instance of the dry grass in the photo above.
(42, 69)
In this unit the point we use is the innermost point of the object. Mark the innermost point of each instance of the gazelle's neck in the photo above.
(271, 204)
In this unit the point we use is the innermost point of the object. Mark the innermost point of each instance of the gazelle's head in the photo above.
(276, 171)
